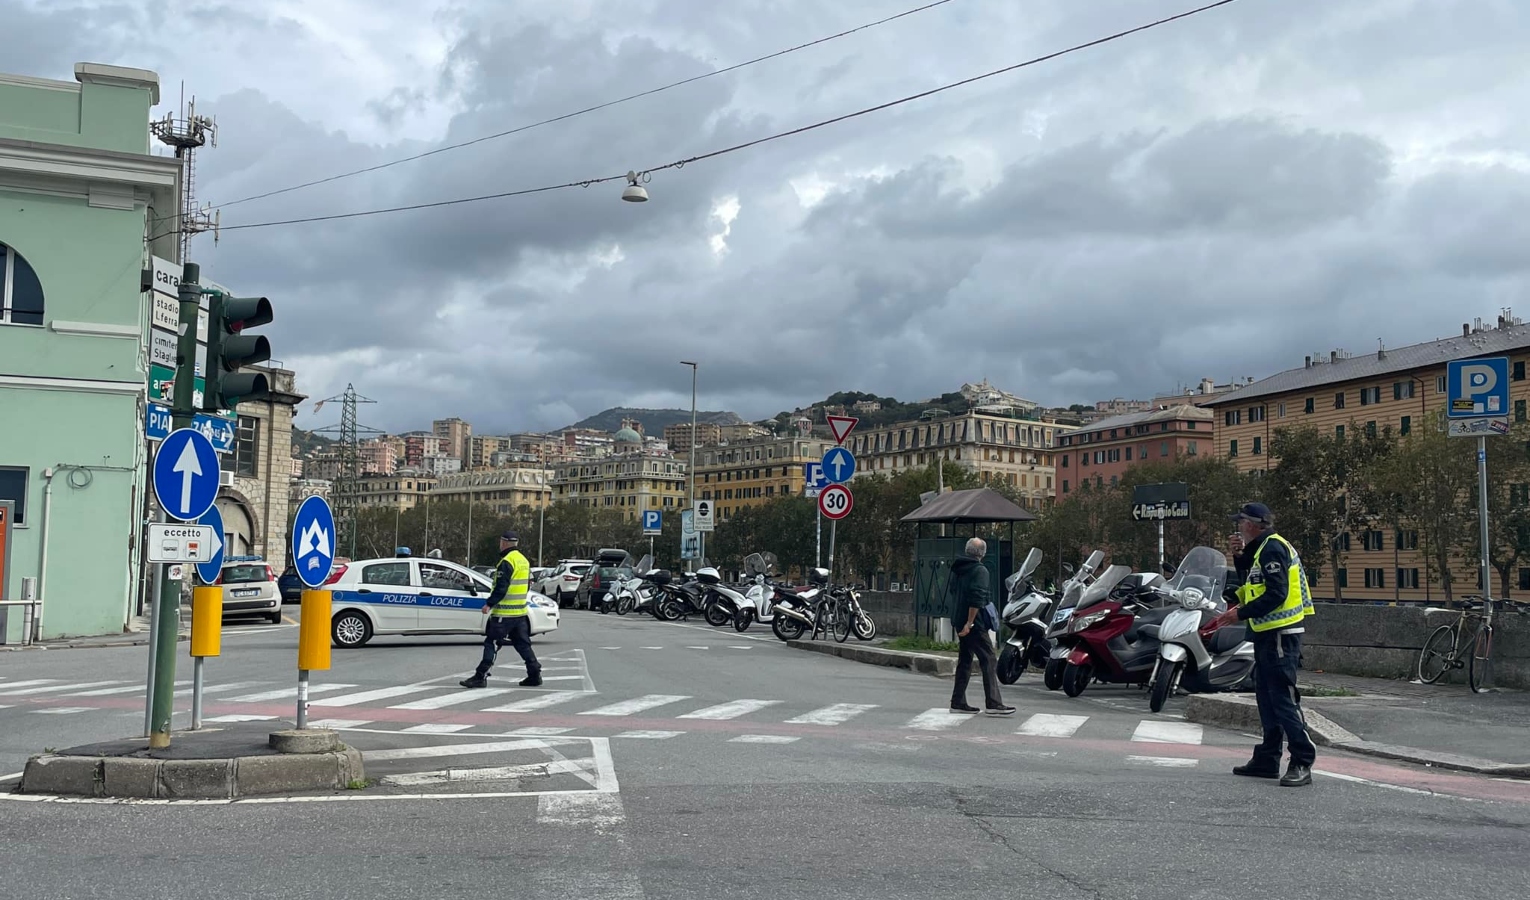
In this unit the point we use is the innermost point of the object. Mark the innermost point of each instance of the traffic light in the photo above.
(229, 348)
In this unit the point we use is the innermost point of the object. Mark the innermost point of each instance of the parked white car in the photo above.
(562, 583)
(405, 595)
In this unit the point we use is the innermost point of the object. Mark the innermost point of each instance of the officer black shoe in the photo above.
(477, 681)
(531, 681)
(1253, 771)
(1296, 776)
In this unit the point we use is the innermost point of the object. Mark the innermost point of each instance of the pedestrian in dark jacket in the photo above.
(969, 583)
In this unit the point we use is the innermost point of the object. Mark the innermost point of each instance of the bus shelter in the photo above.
(943, 525)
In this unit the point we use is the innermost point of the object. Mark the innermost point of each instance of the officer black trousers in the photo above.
(512, 630)
(1276, 658)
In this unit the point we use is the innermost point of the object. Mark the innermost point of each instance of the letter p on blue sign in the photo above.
(1477, 387)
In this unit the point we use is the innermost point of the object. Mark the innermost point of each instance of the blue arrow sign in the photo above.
(1477, 387)
(157, 424)
(313, 541)
(653, 521)
(838, 465)
(813, 479)
(210, 570)
(186, 474)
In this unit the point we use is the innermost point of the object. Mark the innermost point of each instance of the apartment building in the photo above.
(420, 444)
(376, 457)
(404, 489)
(630, 482)
(678, 437)
(1020, 452)
(502, 490)
(755, 471)
(1399, 389)
(1102, 452)
(454, 434)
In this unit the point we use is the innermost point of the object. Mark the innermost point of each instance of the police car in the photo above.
(406, 595)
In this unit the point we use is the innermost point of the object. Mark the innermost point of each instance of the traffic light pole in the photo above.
(167, 615)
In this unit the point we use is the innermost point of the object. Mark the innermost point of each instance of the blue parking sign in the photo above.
(1477, 387)
(653, 521)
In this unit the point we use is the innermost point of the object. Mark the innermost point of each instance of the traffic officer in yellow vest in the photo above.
(1274, 601)
(506, 609)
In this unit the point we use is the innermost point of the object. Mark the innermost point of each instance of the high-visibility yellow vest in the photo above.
(514, 601)
(1298, 604)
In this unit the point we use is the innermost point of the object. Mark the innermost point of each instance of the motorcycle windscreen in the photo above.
(1205, 569)
(759, 564)
(1103, 586)
(644, 565)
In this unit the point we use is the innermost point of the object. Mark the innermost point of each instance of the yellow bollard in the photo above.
(206, 621)
(313, 633)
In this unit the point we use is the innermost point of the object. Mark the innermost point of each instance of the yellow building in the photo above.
(404, 489)
(751, 472)
(631, 479)
(1400, 389)
(503, 490)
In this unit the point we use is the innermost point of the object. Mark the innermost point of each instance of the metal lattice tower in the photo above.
(348, 485)
(187, 133)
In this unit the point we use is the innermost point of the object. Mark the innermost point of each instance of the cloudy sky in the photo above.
(1217, 197)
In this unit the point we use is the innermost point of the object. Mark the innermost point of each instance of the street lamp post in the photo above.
(691, 467)
(542, 499)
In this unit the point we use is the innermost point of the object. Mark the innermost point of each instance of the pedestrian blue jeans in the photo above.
(1276, 659)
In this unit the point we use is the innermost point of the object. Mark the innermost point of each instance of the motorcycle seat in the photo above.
(1147, 623)
(1226, 638)
(1146, 631)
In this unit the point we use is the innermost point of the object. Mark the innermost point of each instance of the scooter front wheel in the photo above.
(1011, 664)
(1052, 675)
(717, 616)
(1075, 678)
(1164, 684)
(741, 620)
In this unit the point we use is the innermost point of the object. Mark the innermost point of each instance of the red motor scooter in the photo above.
(1113, 637)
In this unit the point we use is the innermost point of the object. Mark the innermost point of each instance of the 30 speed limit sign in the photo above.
(835, 501)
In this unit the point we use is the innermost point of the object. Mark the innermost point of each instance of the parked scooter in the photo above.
(792, 610)
(1114, 634)
(720, 603)
(632, 594)
(756, 605)
(1026, 613)
(1057, 630)
(1191, 654)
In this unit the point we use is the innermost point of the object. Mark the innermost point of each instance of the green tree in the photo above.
(1508, 465)
(1432, 477)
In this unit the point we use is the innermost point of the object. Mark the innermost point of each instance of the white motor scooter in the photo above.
(1189, 658)
(1027, 612)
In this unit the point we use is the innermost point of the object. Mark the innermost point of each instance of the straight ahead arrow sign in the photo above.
(190, 468)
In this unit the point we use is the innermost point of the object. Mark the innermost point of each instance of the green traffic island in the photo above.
(226, 763)
(928, 662)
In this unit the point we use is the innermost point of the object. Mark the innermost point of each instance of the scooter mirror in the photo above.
(1067, 569)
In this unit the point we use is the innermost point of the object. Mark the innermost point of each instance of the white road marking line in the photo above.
(5, 778)
(653, 648)
(543, 701)
(1167, 732)
(378, 694)
(600, 811)
(651, 735)
(8, 706)
(104, 692)
(286, 693)
(1173, 762)
(698, 648)
(63, 710)
(534, 730)
(232, 686)
(435, 728)
(339, 723)
(628, 707)
(729, 710)
(938, 719)
(1390, 787)
(837, 714)
(1049, 725)
(562, 677)
(610, 648)
(458, 696)
(455, 749)
(739, 647)
(488, 773)
(762, 739)
(17, 684)
(240, 718)
(55, 688)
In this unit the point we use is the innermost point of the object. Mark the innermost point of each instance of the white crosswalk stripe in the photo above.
(56, 688)
(1049, 725)
(938, 719)
(63, 710)
(286, 693)
(225, 688)
(458, 697)
(838, 714)
(636, 705)
(762, 739)
(540, 701)
(436, 728)
(377, 694)
(651, 735)
(338, 723)
(1158, 732)
(9, 689)
(239, 718)
(729, 710)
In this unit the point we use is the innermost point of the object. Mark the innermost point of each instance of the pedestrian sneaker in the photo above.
(531, 681)
(969, 710)
(1296, 776)
(477, 681)
(999, 711)
(1252, 771)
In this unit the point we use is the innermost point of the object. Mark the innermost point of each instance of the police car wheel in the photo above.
(351, 629)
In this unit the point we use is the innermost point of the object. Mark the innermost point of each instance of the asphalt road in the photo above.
(678, 761)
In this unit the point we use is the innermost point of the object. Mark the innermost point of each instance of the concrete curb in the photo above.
(1240, 711)
(84, 644)
(191, 779)
(923, 663)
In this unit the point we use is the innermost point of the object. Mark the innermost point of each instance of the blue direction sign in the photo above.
(186, 474)
(313, 541)
(813, 479)
(210, 570)
(157, 424)
(1476, 388)
(838, 465)
(653, 521)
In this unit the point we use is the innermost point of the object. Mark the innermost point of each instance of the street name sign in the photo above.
(162, 348)
(313, 541)
(1160, 501)
(835, 502)
(186, 474)
(158, 422)
(183, 544)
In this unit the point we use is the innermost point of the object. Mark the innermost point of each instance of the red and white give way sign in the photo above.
(835, 501)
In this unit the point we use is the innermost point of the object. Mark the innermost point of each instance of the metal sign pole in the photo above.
(302, 700)
(1487, 575)
(148, 695)
(818, 539)
(832, 529)
(1160, 543)
(196, 693)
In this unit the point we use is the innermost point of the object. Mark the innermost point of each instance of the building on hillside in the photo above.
(420, 444)
(401, 490)
(586, 443)
(741, 431)
(986, 397)
(540, 447)
(756, 471)
(84, 206)
(1122, 407)
(255, 507)
(376, 457)
(300, 489)
(1015, 451)
(1102, 452)
(1202, 394)
(440, 465)
(481, 450)
(862, 407)
(323, 465)
(1398, 390)
(501, 490)
(505, 459)
(454, 434)
(631, 482)
(679, 436)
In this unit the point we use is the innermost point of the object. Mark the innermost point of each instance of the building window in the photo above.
(1232, 448)
(1407, 425)
(1281, 412)
(1406, 540)
(1341, 578)
(1439, 384)
(1519, 371)
(1402, 390)
(1375, 578)
(1370, 395)
(1338, 432)
(1065, 460)
(1407, 578)
(1233, 417)
(21, 295)
(1524, 579)
(1519, 410)
(1338, 400)
(1343, 542)
(1258, 446)
(13, 487)
(1373, 540)
(1256, 414)
(1370, 428)
(1163, 448)
(1311, 403)
(247, 447)
(1065, 490)
(1190, 448)
(1519, 495)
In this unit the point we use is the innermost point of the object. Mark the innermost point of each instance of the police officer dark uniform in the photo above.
(506, 608)
(1274, 601)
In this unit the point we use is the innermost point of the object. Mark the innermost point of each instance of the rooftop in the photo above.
(1167, 414)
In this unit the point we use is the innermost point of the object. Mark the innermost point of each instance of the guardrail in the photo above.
(29, 620)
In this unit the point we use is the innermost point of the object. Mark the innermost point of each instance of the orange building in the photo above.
(1102, 452)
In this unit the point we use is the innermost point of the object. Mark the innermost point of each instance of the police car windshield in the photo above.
(243, 574)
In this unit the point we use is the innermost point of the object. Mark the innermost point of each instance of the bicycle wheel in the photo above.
(1437, 654)
(843, 619)
(1479, 668)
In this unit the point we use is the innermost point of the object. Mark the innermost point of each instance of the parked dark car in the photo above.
(290, 585)
(601, 577)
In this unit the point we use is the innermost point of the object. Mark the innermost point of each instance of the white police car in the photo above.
(405, 595)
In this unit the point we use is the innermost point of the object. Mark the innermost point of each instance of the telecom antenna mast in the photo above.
(186, 133)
